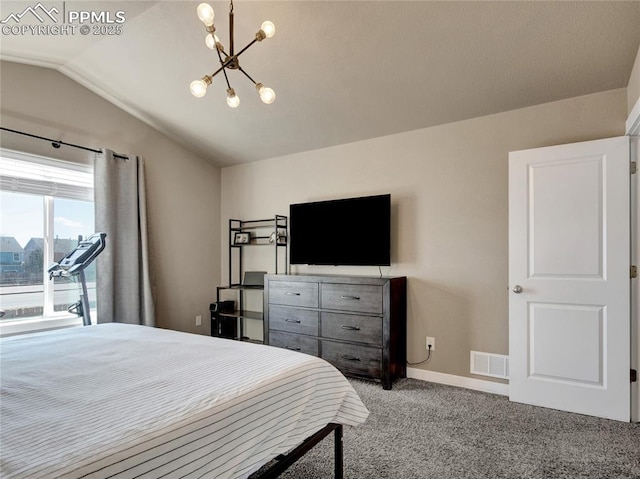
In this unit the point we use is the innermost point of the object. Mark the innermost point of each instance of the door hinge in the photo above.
(634, 167)
(634, 271)
(634, 375)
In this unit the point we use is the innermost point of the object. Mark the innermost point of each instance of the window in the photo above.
(46, 207)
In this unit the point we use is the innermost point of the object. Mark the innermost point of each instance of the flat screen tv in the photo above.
(350, 231)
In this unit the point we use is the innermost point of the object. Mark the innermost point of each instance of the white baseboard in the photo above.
(459, 381)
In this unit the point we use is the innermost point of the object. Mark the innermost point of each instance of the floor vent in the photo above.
(489, 364)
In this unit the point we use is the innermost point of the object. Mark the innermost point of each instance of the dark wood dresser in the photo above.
(357, 323)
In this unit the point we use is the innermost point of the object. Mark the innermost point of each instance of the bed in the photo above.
(123, 401)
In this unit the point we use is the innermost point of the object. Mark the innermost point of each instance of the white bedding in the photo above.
(125, 401)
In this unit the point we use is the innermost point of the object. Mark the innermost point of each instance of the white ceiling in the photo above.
(343, 71)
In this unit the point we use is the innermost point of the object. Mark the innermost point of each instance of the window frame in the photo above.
(44, 187)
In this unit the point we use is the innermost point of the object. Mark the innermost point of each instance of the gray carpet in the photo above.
(425, 430)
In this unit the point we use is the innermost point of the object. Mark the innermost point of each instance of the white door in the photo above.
(569, 280)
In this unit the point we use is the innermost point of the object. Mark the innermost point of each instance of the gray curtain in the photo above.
(123, 284)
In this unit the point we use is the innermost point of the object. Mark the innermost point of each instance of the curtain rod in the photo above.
(57, 143)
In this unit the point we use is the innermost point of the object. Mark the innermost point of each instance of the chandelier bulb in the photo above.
(213, 42)
(210, 41)
(267, 30)
(199, 87)
(233, 100)
(267, 95)
(205, 14)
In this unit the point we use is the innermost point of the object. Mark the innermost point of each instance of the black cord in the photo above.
(380, 268)
(420, 362)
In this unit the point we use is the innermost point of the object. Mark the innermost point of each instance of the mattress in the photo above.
(115, 400)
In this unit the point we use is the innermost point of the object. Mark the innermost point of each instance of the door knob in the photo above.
(517, 289)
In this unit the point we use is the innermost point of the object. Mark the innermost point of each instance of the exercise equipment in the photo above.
(74, 264)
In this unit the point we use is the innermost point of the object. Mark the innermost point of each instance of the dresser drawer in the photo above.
(294, 342)
(302, 321)
(360, 298)
(352, 327)
(353, 359)
(293, 293)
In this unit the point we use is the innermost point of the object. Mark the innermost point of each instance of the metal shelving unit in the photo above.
(270, 232)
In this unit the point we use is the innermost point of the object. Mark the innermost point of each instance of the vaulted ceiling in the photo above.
(342, 71)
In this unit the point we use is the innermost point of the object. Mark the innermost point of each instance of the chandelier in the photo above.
(229, 61)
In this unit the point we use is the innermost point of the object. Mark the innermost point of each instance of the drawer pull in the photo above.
(350, 328)
(349, 358)
(350, 298)
(291, 293)
(292, 348)
(297, 321)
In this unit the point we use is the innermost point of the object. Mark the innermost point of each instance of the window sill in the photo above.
(11, 327)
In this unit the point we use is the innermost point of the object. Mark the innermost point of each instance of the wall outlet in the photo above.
(431, 343)
(199, 320)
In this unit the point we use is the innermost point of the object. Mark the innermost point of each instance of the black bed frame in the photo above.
(284, 461)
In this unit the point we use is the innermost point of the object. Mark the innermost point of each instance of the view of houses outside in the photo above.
(23, 276)
(25, 265)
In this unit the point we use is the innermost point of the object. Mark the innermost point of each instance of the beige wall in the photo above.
(449, 207)
(633, 89)
(183, 191)
(448, 186)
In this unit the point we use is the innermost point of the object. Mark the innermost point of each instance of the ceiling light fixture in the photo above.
(229, 61)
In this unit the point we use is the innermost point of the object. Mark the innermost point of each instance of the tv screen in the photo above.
(350, 231)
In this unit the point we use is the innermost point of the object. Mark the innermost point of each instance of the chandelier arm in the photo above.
(224, 71)
(223, 67)
(243, 50)
(247, 75)
(220, 58)
(225, 63)
(216, 72)
(231, 30)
